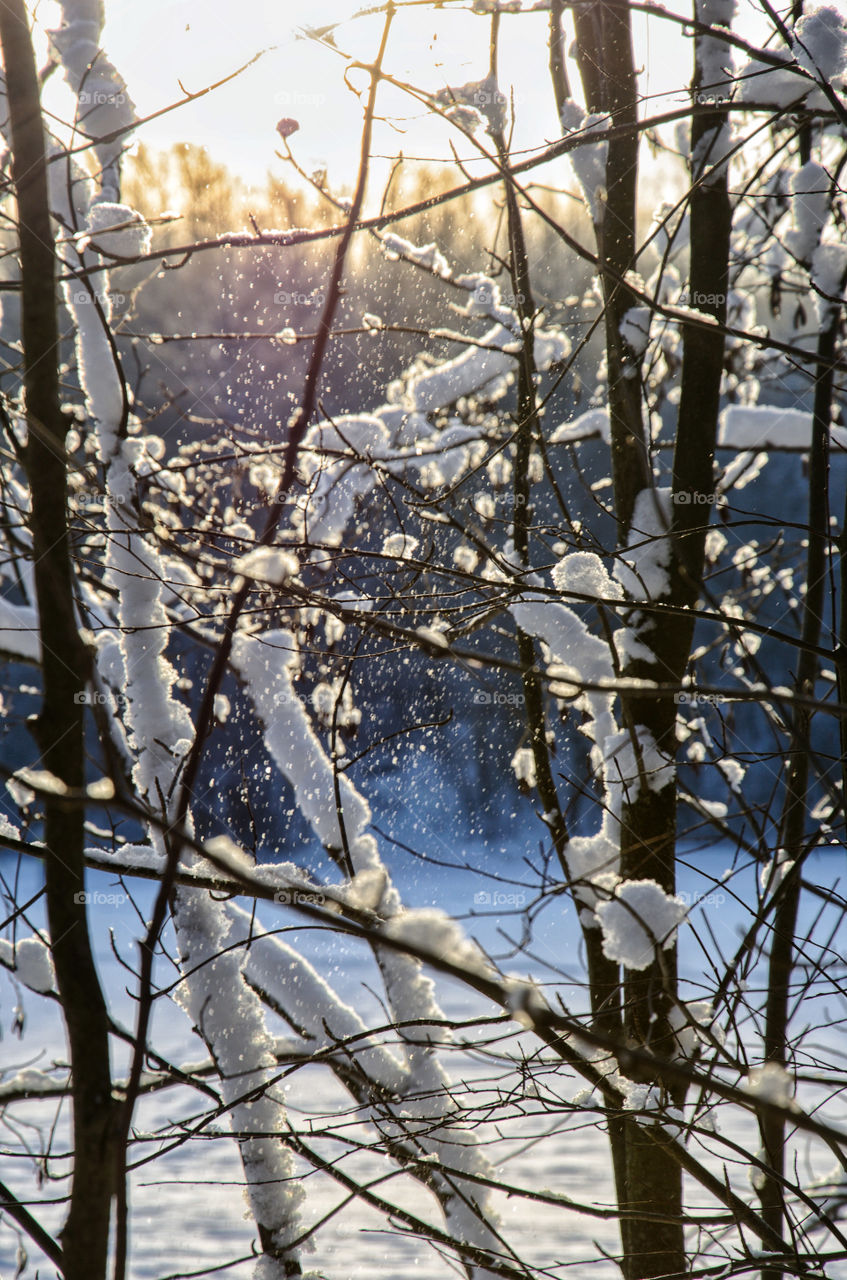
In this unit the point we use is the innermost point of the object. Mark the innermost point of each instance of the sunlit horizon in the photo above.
(166, 48)
(166, 44)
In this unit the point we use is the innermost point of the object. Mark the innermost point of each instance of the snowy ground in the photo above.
(181, 1225)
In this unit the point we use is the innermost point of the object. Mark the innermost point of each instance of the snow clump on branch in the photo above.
(820, 42)
(637, 919)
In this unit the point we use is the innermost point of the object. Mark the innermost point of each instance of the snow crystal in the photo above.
(594, 422)
(364, 434)
(523, 765)
(762, 82)
(713, 808)
(624, 768)
(466, 374)
(593, 863)
(268, 564)
(31, 1081)
(130, 855)
(398, 546)
(101, 789)
(366, 890)
(160, 724)
(564, 681)
(434, 931)
(756, 1173)
(642, 570)
(774, 872)
(38, 780)
(584, 573)
(230, 1017)
(483, 505)
(639, 913)
(105, 109)
(8, 828)
(716, 542)
(323, 699)
(226, 853)
(650, 1105)
(809, 206)
(630, 648)
(433, 637)
(465, 559)
(336, 486)
(117, 229)
(677, 312)
(762, 426)
(772, 1083)
(96, 365)
(32, 963)
(829, 274)
(291, 740)
(687, 1019)
(568, 638)
(820, 42)
(278, 968)
(635, 329)
(714, 55)
(428, 255)
(589, 159)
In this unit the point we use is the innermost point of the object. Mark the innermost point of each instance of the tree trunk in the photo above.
(795, 813)
(652, 1179)
(59, 729)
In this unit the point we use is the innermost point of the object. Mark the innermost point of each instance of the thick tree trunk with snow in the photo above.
(649, 1180)
(652, 1179)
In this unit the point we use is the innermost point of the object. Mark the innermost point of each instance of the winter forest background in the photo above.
(423, 623)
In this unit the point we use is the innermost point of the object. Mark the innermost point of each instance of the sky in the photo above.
(159, 44)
